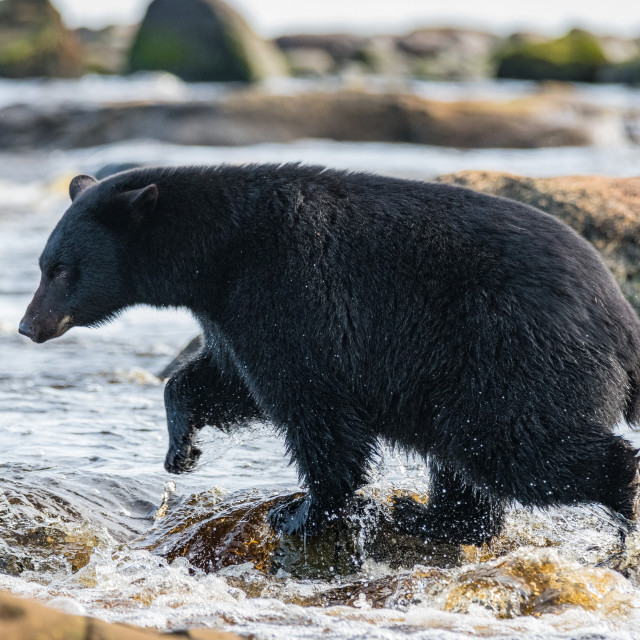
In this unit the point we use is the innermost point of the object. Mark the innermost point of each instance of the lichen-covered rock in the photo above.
(202, 40)
(575, 57)
(34, 42)
(606, 211)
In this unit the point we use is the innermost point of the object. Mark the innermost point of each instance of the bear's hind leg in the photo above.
(455, 513)
(617, 483)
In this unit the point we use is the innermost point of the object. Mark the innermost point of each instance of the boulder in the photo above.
(606, 211)
(627, 72)
(253, 116)
(34, 42)
(576, 57)
(216, 532)
(26, 620)
(447, 53)
(106, 49)
(202, 40)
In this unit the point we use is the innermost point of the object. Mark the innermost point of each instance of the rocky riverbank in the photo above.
(551, 118)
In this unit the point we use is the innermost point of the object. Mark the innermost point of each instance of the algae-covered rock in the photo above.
(575, 57)
(202, 40)
(34, 42)
(605, 211)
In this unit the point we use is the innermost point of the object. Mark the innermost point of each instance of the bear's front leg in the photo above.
(201, 393)
(332, 455)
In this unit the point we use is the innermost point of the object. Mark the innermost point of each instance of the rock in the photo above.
(361, 116)
(340, 46)
(34, 42)
(106, 50)
(606, 211)
(448, 54)
(620, 50)
(253, 116)
(202, 40)
(575, 57)
(216, 533)
(624, 72)
(533, 582)
(26, 620)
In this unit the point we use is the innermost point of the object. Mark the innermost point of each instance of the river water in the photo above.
(90, 522)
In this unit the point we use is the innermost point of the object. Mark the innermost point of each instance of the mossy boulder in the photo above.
(202, 40)
(576, 57)
(34, 42)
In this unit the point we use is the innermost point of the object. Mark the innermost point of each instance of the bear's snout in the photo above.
(26, 328)
(46, 316)
(43, 329)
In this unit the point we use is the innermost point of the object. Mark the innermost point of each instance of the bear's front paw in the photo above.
(296, 516)
(183, 459)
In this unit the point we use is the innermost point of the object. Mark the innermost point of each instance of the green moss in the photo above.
(16, 52)
(576, 56)
(167, 50)
(159, 50)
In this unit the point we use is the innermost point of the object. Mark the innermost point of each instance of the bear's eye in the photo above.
(59, 272)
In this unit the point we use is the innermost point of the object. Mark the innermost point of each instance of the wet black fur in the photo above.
(348, 308)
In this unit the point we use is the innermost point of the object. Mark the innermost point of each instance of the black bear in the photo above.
(349, 309)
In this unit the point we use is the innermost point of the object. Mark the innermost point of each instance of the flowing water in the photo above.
(90, 522)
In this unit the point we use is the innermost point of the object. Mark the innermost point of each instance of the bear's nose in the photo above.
(26, 329)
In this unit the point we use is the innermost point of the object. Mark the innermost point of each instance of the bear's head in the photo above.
(85, 265)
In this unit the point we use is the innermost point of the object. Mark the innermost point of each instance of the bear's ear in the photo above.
(79, 184)
(141, 202)
(132, 208)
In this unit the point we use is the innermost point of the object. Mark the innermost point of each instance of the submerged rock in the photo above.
(214, 532)
(202, 40)
(605, 211)
(34, 42)
(535, 582)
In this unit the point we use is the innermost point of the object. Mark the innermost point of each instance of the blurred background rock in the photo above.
(207, 40)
